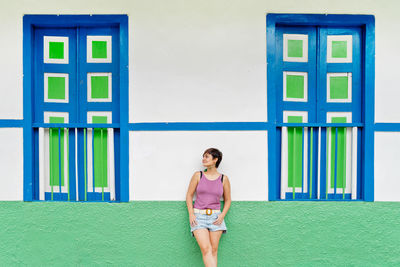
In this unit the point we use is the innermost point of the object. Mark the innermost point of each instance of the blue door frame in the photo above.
(31, 23)
(367, 24)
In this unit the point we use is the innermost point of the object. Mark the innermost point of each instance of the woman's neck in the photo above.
(211, 170)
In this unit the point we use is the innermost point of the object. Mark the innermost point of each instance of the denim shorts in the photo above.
(206, 221)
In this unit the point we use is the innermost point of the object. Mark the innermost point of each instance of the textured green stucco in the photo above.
(158, 234)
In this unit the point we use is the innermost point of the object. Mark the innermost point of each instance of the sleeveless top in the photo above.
(208, 193)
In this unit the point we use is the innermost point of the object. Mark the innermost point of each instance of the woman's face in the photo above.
(208, 160)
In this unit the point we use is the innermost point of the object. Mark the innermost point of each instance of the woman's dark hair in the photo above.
(215, 153)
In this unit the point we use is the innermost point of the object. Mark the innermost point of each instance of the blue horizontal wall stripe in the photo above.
(200, 126)
(11, 123)
(387, 127)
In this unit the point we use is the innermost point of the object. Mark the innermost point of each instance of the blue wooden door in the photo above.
(318, 81)
(98, 75)
(76, 81)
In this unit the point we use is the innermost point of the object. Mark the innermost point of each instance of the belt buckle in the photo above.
(208, 211)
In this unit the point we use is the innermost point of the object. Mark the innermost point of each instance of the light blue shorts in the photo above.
(206, 221)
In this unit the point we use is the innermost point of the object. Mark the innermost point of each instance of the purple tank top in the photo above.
(208, 193)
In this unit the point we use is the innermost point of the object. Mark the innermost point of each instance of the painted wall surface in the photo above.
(162, 163)
(186, 55)
(387, 167)
(11, 164)
(158, 234)
(199, 61)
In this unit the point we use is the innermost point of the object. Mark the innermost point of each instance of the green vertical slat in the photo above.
(295, 157)
(326, 163)
(102, 162)
(54, 154)
(333, 151)
(340, 169)
(294, 163)
(68, 164)
(100, 154)
(50, 165)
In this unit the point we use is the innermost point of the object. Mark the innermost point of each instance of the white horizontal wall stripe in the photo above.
(162, 163)
(11, 164)
(387, 167)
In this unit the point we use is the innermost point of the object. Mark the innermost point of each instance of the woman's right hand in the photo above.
(192, 219)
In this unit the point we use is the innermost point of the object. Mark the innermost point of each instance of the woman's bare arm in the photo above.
(227, 195)
(190, 192)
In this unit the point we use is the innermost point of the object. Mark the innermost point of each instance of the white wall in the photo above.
(387, 166)
(162, 163)
(197, 61)
(187, 56)
(11, 164)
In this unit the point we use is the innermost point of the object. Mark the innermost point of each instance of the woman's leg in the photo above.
(214, 238)
(203, 239)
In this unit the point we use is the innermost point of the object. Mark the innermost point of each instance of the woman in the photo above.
(206, 219)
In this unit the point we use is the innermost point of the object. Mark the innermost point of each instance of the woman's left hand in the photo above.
(220, 219)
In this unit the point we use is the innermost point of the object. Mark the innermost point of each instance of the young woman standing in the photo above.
(206, 219)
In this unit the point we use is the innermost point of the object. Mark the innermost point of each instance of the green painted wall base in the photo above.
(158, 234)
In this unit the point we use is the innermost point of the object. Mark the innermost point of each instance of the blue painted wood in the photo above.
(320, 19)
(40, 68)
(273, 135)
(316, 124)
(357, 106)
(36, 163)
(124, 114)
(323, 164)
(315, 163)
(74, 20)
(114, 68)
(309, 163)
(306, 197)
(85, 68)
(355, 68)
(302, 159)
(72, 177)
(75, 125)
(360, 185)
(281, 106)
(56, 196)
(27, 109)
(76, 27)
(98, 197)
(81, 169)
(369, 112)
(117, 158)
(312, 181)
(356, 25)
(59, 160)
(308, 67)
